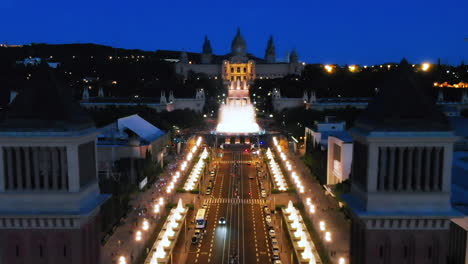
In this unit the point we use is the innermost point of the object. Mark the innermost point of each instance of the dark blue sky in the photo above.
(326, 31)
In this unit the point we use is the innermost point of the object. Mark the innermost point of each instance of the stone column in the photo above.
(447, 167)
(401, 151)
(409, 168)
(45, 152)
(19, 172)
(437, 161)
(9, 152)
(55, 167)
(391, 169)
(3, 175)
(63, 168)
(418, 169)
(372, 167)
(27, 167)
(383, 167)
(36, 172)
(427, 169)
(73, 168)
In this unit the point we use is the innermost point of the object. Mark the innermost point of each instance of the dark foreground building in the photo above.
(49, 195)
(401, 178)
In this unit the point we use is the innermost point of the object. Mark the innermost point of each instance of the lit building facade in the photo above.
(49, 193)
(401, 178)
(239, 65)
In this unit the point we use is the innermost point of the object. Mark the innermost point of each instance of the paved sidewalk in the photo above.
(327, 210)
(122, 242)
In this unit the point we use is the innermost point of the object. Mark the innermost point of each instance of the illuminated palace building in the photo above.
(237, 122)
(239, 65)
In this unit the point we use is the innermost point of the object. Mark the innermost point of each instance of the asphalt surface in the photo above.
(244, 238)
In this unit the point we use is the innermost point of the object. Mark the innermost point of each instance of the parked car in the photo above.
(274, 242)
(266, 210)
(268, 219)
(194, 240)
(276, 256)
(277, 261)
(272, 233)
(275, 249)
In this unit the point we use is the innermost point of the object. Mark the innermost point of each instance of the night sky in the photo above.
(326, 31)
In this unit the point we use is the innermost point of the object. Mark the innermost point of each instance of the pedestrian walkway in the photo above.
(327, 210)
(234, 201)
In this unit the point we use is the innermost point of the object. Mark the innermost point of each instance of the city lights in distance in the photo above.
(425, 66)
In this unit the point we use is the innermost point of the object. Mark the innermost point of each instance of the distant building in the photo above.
(340, 157)
(163, 103)
(49, 193)
(37, 61)
(239, 63)
(114, 142)
(401, 177)
(458, 245)
(318, 134)
(314, 102)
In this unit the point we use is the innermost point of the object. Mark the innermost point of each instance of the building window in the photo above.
(405, 252)
(429, 252)
(245, 69)
(41, 253)
(65, 251)
(17, 251)
(381, 252)
(232, 69)
(238, 69)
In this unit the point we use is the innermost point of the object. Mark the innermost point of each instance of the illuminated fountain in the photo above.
(237, 116)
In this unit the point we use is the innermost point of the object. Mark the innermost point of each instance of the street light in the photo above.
(138, 235)
(322, 225)
(341, 261)
(122, 260)
(328, 236)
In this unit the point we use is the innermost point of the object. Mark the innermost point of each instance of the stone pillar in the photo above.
(2, 171)
(45, 152)
(447, 167)
(73, 168)
(36, 168)
(19, 172)
(54, 170)
(437, 160)
(372, 168)
(401, 151)
(9, 152)
(27, 166)
(63, 168)
(391, 169)
(383, 167)
(418, 168)
(409, 168)
(427, 169)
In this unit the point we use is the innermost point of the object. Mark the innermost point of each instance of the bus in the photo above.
(200, 219)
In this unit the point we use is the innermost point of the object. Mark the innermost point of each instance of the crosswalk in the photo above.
(234, 201)
(232, 161)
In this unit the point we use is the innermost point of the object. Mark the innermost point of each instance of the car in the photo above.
(268, 219)
(251, 177)
(274, 242)
(264, 194)
(266, 210)
(277, 261)
(194, 240)
(222, 221)
(205, 206)
(275, 249)
(272, 233)
(249, 163)
(276, 256)
(208, 192)
(198, 233)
